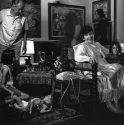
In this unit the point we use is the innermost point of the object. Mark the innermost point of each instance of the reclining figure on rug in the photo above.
(111, 77)
(33, 105)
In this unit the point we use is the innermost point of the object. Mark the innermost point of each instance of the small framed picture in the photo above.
(104, 5)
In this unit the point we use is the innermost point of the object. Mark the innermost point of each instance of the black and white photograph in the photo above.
(61, 62)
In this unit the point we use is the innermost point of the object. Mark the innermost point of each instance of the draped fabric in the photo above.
(112, 75)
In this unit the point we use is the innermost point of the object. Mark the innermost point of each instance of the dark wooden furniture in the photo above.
(84, 84)
(52, 49)
(65, 88)
(35, 77)
(91, 83)
(36, 83)
(84, 66)
(115, 58)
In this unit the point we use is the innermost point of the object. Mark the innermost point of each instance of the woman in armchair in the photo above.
(111, 77)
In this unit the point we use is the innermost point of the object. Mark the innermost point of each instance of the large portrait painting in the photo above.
(33, 14)
(57, 18)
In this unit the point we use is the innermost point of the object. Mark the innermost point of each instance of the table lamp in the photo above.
(122, 47)
(30, 50)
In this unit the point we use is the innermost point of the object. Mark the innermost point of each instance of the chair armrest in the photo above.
(86, 66)
(93, 68)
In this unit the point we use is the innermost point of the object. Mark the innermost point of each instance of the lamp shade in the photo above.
(29, 47)
(122, 47)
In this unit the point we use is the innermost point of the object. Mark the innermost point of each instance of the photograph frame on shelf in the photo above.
(56, 18)
(105, 6)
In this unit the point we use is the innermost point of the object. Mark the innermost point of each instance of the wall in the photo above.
(44, 14)
(120, 20)
(88, 19)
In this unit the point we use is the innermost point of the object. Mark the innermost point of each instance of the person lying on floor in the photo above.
(34, 104)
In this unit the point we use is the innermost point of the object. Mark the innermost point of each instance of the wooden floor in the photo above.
(99, 116)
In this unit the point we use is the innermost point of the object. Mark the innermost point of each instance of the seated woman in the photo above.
(112, 75)
(115, 48)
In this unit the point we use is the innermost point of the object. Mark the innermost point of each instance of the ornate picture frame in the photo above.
(56, 17)
(105, 6)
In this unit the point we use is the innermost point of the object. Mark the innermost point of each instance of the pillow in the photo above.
(67, 75)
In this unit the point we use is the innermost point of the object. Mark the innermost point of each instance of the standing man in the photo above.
(13, 28)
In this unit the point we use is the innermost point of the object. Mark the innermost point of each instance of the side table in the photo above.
(66, 84)
(35, 77)
(37, 83)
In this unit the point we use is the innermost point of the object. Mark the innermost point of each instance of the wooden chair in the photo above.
(85, 66)
(91, 84)
(85, 90)
(88, 87)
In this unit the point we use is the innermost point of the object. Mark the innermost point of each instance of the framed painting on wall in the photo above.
(33, 13)
(57, 17)
(104, 5)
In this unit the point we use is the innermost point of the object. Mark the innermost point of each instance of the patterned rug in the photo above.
(53, 117)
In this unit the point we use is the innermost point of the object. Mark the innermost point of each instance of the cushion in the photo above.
(67, 75)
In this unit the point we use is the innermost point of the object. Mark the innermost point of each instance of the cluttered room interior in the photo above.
(61, 62)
